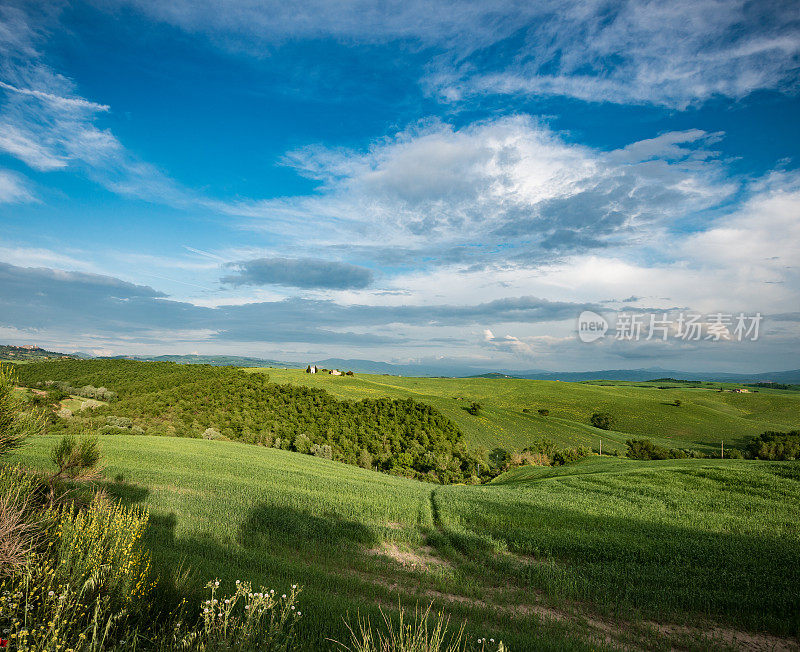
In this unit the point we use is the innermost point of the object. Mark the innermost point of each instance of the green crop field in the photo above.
(603, 553)
(705, 417)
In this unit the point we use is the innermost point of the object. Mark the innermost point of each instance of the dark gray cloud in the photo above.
(299, 273)
(72, 302)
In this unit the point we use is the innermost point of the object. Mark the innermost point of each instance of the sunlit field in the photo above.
(704, 418)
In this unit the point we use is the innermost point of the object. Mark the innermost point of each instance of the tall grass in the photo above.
(415, 635)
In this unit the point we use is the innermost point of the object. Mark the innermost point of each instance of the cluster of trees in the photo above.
(64, 389)
(644, 449)
(769, 385)
(602, 420)
(401, 437)
(543, 452)
(766, 446)
(773, 445)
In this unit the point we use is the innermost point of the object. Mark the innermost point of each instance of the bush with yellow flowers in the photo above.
(84, 579)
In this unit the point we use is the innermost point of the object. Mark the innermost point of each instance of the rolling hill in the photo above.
(705, 417)
(600, 554)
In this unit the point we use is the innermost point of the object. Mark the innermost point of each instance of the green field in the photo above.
(705, 417)
(604, 553)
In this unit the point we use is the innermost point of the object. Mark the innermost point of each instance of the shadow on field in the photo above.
(126, 492)
(267, 523)
(640, 565)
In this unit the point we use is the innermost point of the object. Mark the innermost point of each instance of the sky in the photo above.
(415, 181)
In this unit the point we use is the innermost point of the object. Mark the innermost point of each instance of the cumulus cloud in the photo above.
(509, 182)
(529, 347)
(299, 273)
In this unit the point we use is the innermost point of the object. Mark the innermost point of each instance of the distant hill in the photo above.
(792, 376)
(462, 371)
(430, 370)
(215, 360)
(390, 369)
(17, 353)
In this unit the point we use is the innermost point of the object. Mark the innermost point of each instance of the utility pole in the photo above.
(722, 450)
(601, 447)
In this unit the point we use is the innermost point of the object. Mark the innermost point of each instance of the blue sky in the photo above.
(402, 181)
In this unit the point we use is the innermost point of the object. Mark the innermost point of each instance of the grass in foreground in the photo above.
(583, 556)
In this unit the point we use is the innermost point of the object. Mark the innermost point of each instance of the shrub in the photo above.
(324, 451)
(16, 534)
(75, 458)
(734, 454)
(16, 424)
(56, 395)
(90, 574)
(302, 443)
(245, 620)
(365, 459)
(119, 422)
(542, 447)
(571, 455)
(602, 420)
(499, 458)
(527, 458)
(644, 449)
(474, 408)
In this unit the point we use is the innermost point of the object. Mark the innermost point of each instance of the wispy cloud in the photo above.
(675, 54)
(45, 123)
(57, 100)
(13, 189)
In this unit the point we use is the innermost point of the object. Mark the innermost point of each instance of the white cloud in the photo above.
(674, 53)
(39, 257)
(45, 123)
(24, 145)
(509, 182)
(13, 189)
(57, 100)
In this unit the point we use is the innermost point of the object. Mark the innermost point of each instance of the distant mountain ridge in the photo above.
(790, 376)
(215, 360)
(432, 370)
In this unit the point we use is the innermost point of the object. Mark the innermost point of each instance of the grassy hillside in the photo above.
(705, 417)
(586, 556)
